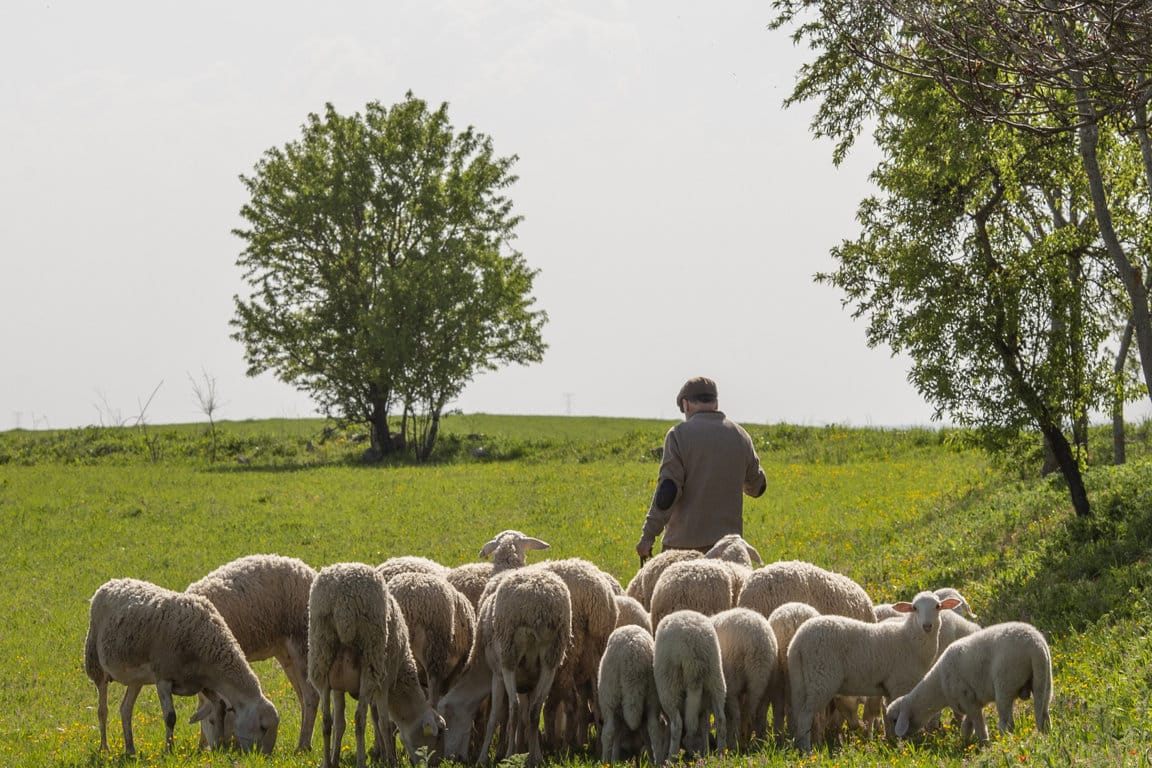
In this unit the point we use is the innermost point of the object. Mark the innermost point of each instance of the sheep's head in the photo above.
(733, 548)
(925, 610)
(901, 719)
(508, 549)
(256, 725)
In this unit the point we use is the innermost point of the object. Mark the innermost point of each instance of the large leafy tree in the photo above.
(378, 252)
(1038, 67)
(976, 259)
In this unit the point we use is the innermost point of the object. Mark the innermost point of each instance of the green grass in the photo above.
(897, 510)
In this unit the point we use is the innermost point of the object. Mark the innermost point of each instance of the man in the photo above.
(709, 462)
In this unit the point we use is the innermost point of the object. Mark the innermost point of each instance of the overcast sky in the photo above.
(675, 210)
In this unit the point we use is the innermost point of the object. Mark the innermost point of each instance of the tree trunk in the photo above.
(430, 439)
(382, 444)
(1069, 467)
(1119, 451)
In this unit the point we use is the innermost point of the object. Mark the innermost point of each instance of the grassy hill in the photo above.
(897, 510)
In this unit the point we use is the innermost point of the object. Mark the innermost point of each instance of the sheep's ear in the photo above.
(528, 542)
(950, 603)
(489, 548)
(203, 711)
(902, 723)
(903, 607)
(752, 553)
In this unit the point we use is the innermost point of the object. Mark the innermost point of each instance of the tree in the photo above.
(975, 259)
(1035, 66)
(378, 252)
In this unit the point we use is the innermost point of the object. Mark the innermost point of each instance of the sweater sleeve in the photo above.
(671, 468)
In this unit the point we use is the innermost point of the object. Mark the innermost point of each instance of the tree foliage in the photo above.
(378, 253)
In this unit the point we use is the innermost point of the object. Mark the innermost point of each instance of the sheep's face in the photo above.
(925, 609)
(423, 735)
(256, 726)
(901, 720)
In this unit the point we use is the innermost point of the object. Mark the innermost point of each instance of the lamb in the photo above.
(470, 579)
(523, 631)
(508, 549)
(441, 624)
(785, 620)
(838, 655)
(627, 695)
(569, 708)
(630, 611)
(734, 549)
(788, 581)
(644, 581)
(886, 611)
(1000, 663)
(394, 566)
(690, 681)
(358, 643)
(701, 585)
(142, 634)
(264, 601)
(749, 660)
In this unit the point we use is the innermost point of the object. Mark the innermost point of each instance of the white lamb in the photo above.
(358, 643)
(630, 611)
(629, 703)
(701, 585)
(508, 549)
(690, 681)
(837, 655)
(748, 657)
(142, 634)
(734, 549)
(523, 631)
(441, 624)
(644, 581)
(789, 581)
(394, 566)
(998, 664)
(785, 620)
(264, 600)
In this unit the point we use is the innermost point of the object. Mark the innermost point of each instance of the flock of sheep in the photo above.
(461, 662)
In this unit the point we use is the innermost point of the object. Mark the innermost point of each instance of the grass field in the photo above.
(896, 510)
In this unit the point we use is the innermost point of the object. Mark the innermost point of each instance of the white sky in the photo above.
(675, 210)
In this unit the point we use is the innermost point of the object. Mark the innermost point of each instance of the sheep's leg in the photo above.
(102, 712)
(384, 735)
(294, 661)
(675, 732)
(168, 709)
(532, 716)
(657, 736)
(777, 698)
(339, 724)
(609, 747)
(495, 706)
(1004, 701)
(361, 719)
(126, 706)
(326, 725)
(977, 724)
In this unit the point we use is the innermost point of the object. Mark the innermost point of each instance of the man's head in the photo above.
(699, 391)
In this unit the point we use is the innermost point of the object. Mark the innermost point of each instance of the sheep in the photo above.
(358, 643)
(884, 611)
(142, 634)
(998, 664)
(630, 611)
(734, 549)
(831, 655)
(627, 695)
(508, 549)
(394, 566)
(788, 581)
(523, 631)
(749, 660)
(644, 581)
(690, 680)
(264, 601)
(441, 624)
(785, 620)
(569, 707)
(470, 579)
(701, 585)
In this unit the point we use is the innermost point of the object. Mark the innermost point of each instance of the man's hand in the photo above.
(644, 549)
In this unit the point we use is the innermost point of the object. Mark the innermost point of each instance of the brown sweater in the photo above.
(713, 463)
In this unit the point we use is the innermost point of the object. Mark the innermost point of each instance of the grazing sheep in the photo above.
(394, 566)
(999, 664)
(523, 630)
(785, 620)
(358, 643)
(644, 581)
(629, 611)
(141, 634)
(690, 681)
(629, 703)
(569, 709)
(470, 579)
(441, 624)
(789, 581)
(838, 655)
(264, 601)
(748, 657)
(700, 585)
(734, 549)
